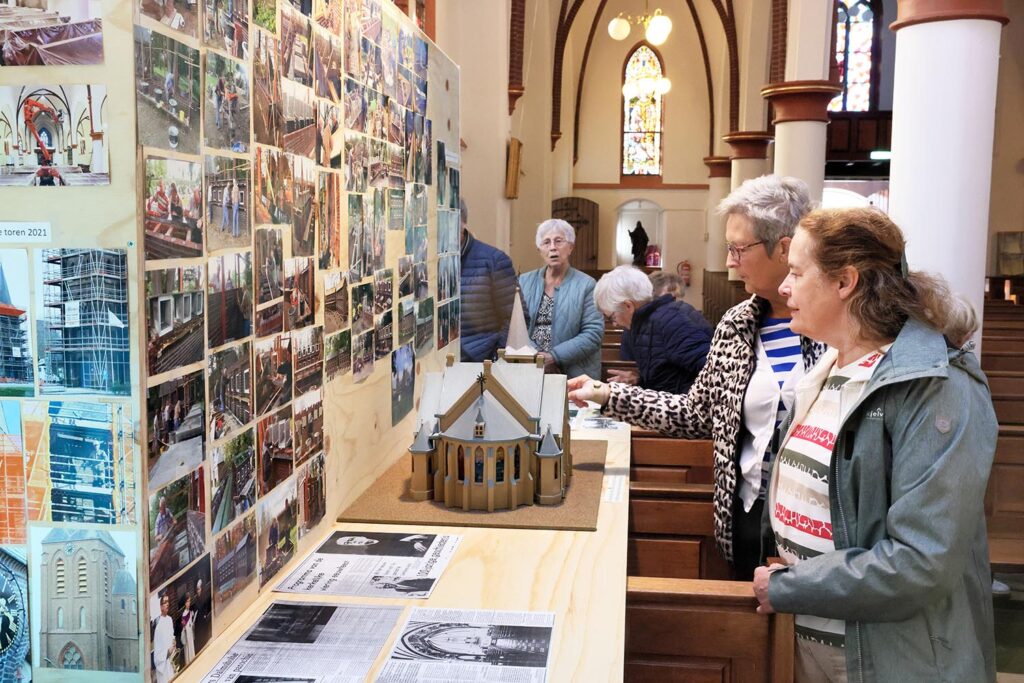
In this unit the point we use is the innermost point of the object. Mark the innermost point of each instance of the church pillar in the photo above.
(719, 184)
(941, 172)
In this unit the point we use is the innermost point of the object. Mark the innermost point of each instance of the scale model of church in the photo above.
(493, 435)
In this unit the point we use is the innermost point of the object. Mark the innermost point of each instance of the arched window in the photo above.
(60, 577)
(642, 112)
(83, 575)
(60, 617)
(461, 464)
(856, 40)
(44, 135)
(71, 658)
(499, 466)
(81, 618)
(478, 466)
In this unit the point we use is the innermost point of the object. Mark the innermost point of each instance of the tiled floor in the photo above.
(1009, 614)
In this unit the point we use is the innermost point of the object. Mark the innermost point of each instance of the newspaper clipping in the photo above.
(308, 641)
(471, 645)
(371, 564)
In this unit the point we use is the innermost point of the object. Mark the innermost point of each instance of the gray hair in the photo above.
(620, 285)
(774, 203)
(557, 226)
(463, 212)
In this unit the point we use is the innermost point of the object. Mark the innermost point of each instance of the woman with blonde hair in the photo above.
(875, 501)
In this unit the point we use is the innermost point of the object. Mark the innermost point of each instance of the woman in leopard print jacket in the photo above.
(752, 366)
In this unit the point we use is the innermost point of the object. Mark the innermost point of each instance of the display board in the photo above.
(210, 345)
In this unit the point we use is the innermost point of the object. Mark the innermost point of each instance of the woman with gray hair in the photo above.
(747, 385)
(563, 321)
(666, 338)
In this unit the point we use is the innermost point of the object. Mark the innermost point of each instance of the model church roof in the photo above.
(518, 343)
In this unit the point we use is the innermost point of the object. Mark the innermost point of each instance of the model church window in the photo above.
(478, 466)
(642, 113)
(855, 45)
(499, 466)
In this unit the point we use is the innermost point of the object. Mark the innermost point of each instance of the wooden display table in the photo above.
(578, 575)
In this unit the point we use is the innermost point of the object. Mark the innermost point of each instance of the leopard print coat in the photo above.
(713, 407)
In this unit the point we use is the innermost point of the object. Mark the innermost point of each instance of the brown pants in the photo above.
(819, 663)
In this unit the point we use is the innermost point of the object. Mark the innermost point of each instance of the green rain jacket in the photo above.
(910, 573)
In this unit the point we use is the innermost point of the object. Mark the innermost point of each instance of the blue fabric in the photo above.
(488, 288)
(577, 326)
(669, 341)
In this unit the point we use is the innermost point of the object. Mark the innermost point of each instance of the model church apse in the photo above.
(493, 435)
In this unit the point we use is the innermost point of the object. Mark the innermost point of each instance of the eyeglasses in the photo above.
(557, 242)
(737, 251)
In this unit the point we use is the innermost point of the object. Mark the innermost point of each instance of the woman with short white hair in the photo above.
(563, 321)
(666, 338)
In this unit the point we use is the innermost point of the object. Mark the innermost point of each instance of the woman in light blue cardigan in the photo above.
(564, 323)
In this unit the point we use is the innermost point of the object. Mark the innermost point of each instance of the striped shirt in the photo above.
(782, 346)
(800, 512)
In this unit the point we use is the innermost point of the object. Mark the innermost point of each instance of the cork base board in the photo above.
(388, 501)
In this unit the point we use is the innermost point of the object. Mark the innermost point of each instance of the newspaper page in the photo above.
(471, 645)
(309, 642)
(374, 564)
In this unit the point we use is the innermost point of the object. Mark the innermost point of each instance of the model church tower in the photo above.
(493, 435)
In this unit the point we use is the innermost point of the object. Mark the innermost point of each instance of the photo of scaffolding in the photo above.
(78, 462)
(230, 390)
(12, 474)
(15, 343)
(82, 299)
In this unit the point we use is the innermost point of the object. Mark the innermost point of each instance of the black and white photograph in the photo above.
(177, 526)
(291, 623)
(377, 543)
(173, 209)
(230, 390)
(168, 93)
(233, 480)
(176, 417)
(229, 303)
(94, 307)
(228, 183)
(175, 317)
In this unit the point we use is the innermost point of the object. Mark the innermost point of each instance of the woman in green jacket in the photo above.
(876, 498)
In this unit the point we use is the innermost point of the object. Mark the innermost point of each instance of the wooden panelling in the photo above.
(667, 558)
(665, 670)
(672, 452)
(662, 475)
(720, 294)
(852, 136)
(676, 517)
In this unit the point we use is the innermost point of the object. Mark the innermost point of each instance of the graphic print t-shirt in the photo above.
(801, 516)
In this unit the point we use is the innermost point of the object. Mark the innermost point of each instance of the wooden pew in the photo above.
(691, 630)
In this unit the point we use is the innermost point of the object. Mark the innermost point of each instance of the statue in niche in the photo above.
(639, 239)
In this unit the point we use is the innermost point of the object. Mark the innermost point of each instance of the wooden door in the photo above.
(581, 214)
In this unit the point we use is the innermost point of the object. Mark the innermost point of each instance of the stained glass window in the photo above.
(642, 113)
(855, 31)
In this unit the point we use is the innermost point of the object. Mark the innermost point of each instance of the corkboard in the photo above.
(387, 501)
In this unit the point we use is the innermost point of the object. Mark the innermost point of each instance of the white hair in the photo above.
(620, 285)
(557, 226)
(774, 203)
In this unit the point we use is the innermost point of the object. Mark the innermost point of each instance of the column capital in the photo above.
(910, 12)
(748, 144)
(800, 100)
(718, 167)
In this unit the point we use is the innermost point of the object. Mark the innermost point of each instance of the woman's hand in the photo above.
(550, 364)
(583, 389)
(762, 576)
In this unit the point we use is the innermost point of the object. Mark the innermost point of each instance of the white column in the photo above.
(719, 186)
(942, 132)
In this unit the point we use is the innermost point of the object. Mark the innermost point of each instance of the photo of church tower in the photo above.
(15, 352)
(88, 612)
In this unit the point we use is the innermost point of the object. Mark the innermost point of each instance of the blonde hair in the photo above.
(886, 294)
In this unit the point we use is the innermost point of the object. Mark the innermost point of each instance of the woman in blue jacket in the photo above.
(564, 323)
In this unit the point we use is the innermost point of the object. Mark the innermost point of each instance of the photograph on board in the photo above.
(273, 378)
(16, 356)
(175, 318)
(173, 209)
(180, 15)
(403, 382)
(229, 298)
(51, 33)
(307, 358)
(181, 621)
(168, 93)
(177, 526)
(267, 114)
(309, 425)
(176, 417)
(335, 302)
(362, 356)
(15, 659)
(69, 636)
(226, 111)
(233, 480)
(230, 390)
(13, 498)
(277, 521)
(299, 293)
(227, 182)
(275, 450)
(226, 26)
(311, 490)
(338, 358)
(43, 146)
(234, 563)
